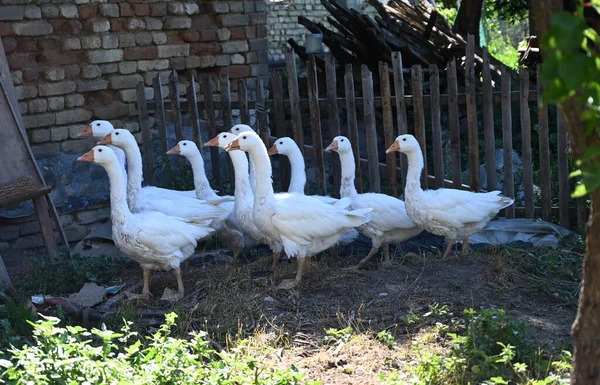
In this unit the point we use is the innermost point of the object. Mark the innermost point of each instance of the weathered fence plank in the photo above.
(334, 114)
(159, 115)
(352, 122)
(370, 128)
(509, 183)
(454, 124)
(243, 101)
(284, 168)
(292, 76)
(207, 91)
(176, 104)
(544, 148)
(262, 112)
(195, 115)
(148, 160)
(488, 124)
(582, 213)
(563, 172)
(388, 127)
(401, 118)
(419, 112)
(474, 174)
(315, 123)
(436, 126)
(526, 143)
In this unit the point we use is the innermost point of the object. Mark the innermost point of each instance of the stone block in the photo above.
(112, 111)
(105, 56)
(153, 24)
(175, 8)
(126, 10)
(259, 69)
(109, 68)
(127, 40)
(33, 12)
(232, 20)
(88, 12)
(12, 12)
(238, 33)
(71, 44)
(191, 8)
(135, 24)
(92, 85)
(56, 103)
(58, 88)
(91, 42)
(75, 129)
(73, 116)
(159, 37)
(9, 44)
(177, 22)
(130, 96)
(75, 146)
(50, 11)
(110, 41)
(234, 46)
(37, 136)
(238, 71)
(250, 32)
(23, 107)
(37, 106)
(58, 134)
(261, 6)
(249, 7)
(74, 100)
(9, 233)
(31, 75)
(236, 7)
(32, 28)
(91, 71)
(143, 39)
(220, 7)
(261, 31)
(100, 25)
(174, 50)
(158, 9)
(177, 63)
(223, 34)
(189, 35)
(55, 74)
(141, 9)
(75, 232)
(141, 53)
(258, 44)
(17, 77)
(152, 65)
(237, 59)
(69, 11)
(125, 81)
(26, 91)
(223, 60)
(39, 120)
(46, 150)
(257, 18)
(127, 67)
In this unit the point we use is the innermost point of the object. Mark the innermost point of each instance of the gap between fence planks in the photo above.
(284, 164)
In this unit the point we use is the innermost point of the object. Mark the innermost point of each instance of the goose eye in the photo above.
(185, 144)
(342, 140)
(404, 139)
(243, 137)
(98, 124)
(280, 142)
(116, 133)
(99, 150)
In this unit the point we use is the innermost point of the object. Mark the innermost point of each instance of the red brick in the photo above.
(142, 9)
(31, 75)
(5, 29)
(204, 22)
(174, 38)
(26, 45)
(88, 11)
(250, 32)
(140, 53)
(237, 33)
(58, 59)
(204, 48)
(116, 25)
(261, 31)
(189, 35)
(67, 27)
(49, 44)
(72, 71)
(126, 10)
(238, 71)
(208, 35)
(158, 9)
(16, 61)
(9, 44)
(251, 57)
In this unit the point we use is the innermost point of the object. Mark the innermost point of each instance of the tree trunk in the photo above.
(586, 328)
(468, 18)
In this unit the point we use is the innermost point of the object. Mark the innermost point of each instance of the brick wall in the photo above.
(282, 21)
(75, 61)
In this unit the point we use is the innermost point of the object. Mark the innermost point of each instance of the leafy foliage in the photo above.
(570, 44)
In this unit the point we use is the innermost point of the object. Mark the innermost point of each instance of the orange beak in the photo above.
(85, 132)
(214, 142)
(273, 150)
(333, 146)
(394, 147)
(87, 157)
(175, 150)
(235, 145)
(106, 140)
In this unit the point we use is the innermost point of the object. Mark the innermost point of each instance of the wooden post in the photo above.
(436, 126)
(563, 172)
(176, 105)
(284, 166)
(488, 124)
(388, 126)
(509, 183)
(401, 118)
(195, 115)
(243, 101)
(159, 115)
(370, 129)
(544, 146)
(261, 113)
(334, 115)
(526, 143)
(352, 123)
(212, 127)
(472, 115)
(315, 123)
(292, 76)
(227, 116)
(148, 160)
(41, 211)
(5, 281)
(417, 90)
(454, 125)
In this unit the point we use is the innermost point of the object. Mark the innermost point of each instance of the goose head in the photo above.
(221, 140)
(185, 148)
(404, 143)
(239, 128)
(339, 144)
(283, 146)
(119, 137)
(97, 129)
(101, 155)
(246, 141)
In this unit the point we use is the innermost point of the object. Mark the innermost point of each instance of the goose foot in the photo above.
(171, 295)
(287, 284)
(145, 290)
(466, 250)
(449, 248)
(387, 261)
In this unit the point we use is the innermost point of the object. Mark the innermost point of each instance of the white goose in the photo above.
(154, 198)
(454, 214)
(390, 223)
(106, 127)
(99, 129)
(155, 240)
(236, 130)
(303, 225)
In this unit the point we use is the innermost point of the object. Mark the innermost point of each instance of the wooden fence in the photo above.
(200, 106)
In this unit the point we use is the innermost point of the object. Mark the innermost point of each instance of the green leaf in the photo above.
(575, 173)
(591, 153)
(580, 191)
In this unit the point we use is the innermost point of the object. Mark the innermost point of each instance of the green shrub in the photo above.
(74, 355)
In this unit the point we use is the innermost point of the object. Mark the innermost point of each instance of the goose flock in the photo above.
(160, 228)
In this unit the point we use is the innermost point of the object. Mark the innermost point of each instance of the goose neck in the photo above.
(118, 202)
(347, 187)
(298, 169)
(243, 191)
(201, 183)
(263, 192)
(135, 175)
(413, 175)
